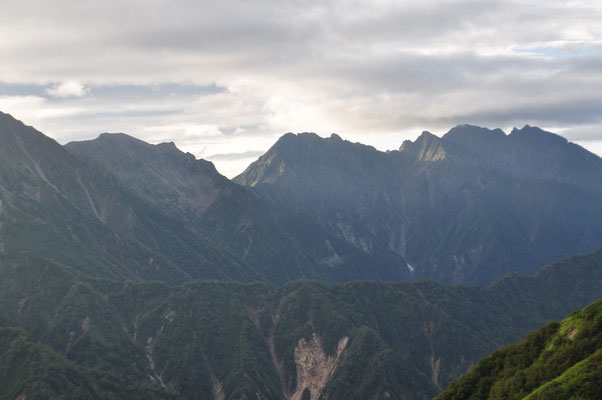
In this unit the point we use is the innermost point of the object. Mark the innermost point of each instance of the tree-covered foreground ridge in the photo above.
(232, 340)
(558, 361)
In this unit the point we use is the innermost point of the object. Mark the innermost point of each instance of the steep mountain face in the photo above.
(530, 153)
(193, 192)
(53, 204)
(232, 215)
(162, 174)
(469, 207)
(233, 340)
(558, 361)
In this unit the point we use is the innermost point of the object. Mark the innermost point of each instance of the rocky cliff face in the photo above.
(314, 366)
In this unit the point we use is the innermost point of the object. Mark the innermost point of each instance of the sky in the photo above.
(224, 79)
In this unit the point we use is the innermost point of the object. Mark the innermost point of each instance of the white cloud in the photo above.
(68, 89)
(21, 105)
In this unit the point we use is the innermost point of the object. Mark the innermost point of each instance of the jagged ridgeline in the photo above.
(228, 340)
(558, 361)
(469, 207)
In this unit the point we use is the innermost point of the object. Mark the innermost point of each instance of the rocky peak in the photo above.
(296, 141)
(167, 146)
(30, 148)
(531, 135)
(292, 139)
(427, 147)
(114, 140)
(476, 139)
(11, 129)
(175, 180)
(466, 131)
(289, 152)
(113, 150)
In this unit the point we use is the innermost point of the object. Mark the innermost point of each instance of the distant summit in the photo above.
(426, 147)
(475, 138)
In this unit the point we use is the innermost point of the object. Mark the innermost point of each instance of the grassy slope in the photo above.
(560, 361)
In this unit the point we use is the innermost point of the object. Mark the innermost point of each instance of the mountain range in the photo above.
(130, 269)
(469, 207)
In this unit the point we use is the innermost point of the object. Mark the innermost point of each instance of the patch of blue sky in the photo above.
(161, 90)
(132, 113)
(22, 89)
(117, 91)
(568, 50)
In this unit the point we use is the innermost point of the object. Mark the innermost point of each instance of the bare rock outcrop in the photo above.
(314, 367)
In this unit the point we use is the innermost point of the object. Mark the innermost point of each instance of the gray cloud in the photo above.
(221, 78)
(580, 111)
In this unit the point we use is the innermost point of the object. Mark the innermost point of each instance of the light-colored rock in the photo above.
(217, 388)
(314, 368)
(86, 324)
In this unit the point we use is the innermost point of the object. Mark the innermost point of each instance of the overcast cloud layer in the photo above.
(225, 79)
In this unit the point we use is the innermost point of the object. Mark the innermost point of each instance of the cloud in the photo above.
(583, 133)
(231, 76)
(21, 104)
(236, 156)
(68, 89)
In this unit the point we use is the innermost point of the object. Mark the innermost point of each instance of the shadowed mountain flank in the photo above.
(468, 207)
